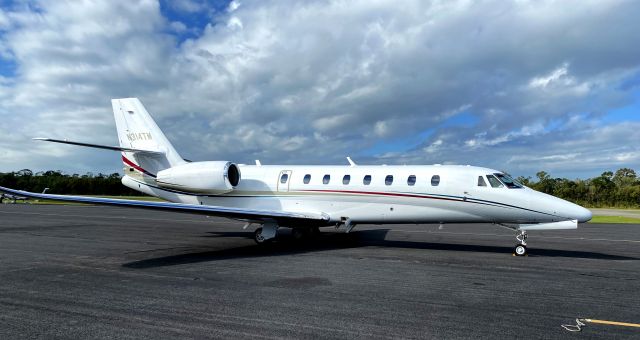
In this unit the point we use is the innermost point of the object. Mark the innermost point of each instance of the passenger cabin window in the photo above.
(481, 182)
(435, 180)
(346, 179)
(495, 183)
(388, 180)
(411, 181)
(284, 178)
(366, 180)
(325, 179)
(508, 181)
(307, 179)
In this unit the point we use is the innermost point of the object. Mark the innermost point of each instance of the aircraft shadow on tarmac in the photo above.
(333, 241)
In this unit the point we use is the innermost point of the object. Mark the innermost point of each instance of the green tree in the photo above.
(545, 183)
(624, 177)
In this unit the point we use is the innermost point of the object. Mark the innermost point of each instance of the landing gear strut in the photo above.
(521, 247)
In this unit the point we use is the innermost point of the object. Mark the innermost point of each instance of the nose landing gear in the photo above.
(521, 236)
(521, 247)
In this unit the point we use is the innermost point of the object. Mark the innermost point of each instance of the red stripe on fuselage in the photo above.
(135, 166)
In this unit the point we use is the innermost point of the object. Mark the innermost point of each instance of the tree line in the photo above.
(60, 183)
(620, 189)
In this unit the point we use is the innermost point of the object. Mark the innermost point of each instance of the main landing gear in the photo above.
(521, 247)
(257, 236)
(268, 232)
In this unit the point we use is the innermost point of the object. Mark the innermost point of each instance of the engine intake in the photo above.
(201, 177)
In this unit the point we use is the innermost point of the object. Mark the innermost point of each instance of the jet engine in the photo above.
(201, 177)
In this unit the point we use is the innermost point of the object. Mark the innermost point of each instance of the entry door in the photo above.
(283, 180)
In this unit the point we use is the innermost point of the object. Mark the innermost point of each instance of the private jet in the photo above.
(305, 198)
(12, 198)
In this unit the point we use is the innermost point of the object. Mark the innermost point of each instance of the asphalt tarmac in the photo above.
(101, 272)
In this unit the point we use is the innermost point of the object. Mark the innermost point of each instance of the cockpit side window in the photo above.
(481, 182)
(495, 183)
(508, 181)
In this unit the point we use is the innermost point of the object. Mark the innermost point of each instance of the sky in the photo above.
(519, 86)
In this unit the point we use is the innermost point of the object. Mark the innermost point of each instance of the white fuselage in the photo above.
(439, 194)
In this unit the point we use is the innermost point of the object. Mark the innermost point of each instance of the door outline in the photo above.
(284, 187)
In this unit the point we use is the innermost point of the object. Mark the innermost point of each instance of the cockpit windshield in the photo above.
(495, 183)
(508, 181)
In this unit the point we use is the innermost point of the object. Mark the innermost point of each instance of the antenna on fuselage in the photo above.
(351, 162)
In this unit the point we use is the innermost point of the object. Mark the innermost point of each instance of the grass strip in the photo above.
(615, 219)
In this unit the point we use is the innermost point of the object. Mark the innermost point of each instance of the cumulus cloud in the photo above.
(312, 81)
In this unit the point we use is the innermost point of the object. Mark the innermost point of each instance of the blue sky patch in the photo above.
(463, 119)
(398, 144)
(194, 15)
(8, 68)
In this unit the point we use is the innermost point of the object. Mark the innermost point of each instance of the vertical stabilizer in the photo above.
(137, 130)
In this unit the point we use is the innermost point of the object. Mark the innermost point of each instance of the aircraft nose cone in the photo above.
(584, 215)
(558, 207)
(579, 213)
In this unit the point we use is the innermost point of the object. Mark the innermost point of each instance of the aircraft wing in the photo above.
(281, 217)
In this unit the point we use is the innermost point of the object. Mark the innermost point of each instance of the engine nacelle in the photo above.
(201, 177)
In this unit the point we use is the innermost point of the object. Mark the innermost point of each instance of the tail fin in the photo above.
(137, 130)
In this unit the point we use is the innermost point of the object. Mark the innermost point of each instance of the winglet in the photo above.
(351, 162)
(258, 162)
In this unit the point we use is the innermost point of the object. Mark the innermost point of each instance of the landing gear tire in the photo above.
(257, 236)
(520, 250)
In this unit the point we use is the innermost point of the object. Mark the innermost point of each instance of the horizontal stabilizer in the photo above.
(106, 147)
(282, 217)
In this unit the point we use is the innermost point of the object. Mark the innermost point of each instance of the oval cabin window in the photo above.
(326, 179)
(307, 179)
(388, 180)
(366, 180)
(284, 178)
(411, 181)
(435, 180)
(346, 179)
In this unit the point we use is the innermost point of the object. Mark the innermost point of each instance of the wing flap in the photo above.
(237, 213)
(97, 146)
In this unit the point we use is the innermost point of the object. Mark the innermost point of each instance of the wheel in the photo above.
(257, 236)
(520, 250)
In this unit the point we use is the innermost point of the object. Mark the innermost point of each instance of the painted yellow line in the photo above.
(613, 323)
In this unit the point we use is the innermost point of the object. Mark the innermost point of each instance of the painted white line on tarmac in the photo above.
(503, 235)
